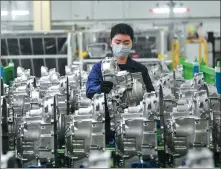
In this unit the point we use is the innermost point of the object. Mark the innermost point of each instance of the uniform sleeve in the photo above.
(147, 80)
(93, 82)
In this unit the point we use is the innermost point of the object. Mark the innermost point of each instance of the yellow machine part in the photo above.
(84, 54)
(175, 53)
(160, 56)
(201, 41)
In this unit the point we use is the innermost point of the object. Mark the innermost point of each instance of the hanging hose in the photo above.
(68, 96)
(2, 87)
(161, 108)
(55, 131)
(5, 138)
(34, 83)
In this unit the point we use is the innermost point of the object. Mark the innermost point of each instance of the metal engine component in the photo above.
(99, 160)
(43, 115)
(133, 114)
(38, 131)
(21, 93)
(188, 125)
(157, 70)
(24, 78)
(197, 82)
(75, 76)
(214, 98)
(85, 132)
(200, 158)
(49, 82)
(35, 137)
(136, 131)
(5, 159)
(127, 91)
(76, 86)
(32, 116)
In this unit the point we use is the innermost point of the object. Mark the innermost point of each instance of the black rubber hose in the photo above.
(34, 83)
(68, 96)
(161, 112)
(55, 132)
(2, 87)
(5, 139)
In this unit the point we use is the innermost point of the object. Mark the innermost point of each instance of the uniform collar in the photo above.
(130, 62)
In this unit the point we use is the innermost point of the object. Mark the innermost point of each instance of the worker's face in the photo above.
(121, 45)
(121, 39)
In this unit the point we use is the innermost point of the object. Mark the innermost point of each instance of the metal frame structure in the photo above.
(140, 60)
(38, 34)
(161, 42)
(161, 37)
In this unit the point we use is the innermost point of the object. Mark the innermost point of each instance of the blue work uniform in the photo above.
(95, 77)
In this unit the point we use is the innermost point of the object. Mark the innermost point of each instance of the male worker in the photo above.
(121, 40)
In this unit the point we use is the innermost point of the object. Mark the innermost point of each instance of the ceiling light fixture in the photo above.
(20, 13)
(167, 10)
(181, 10)
(4, 13)
(15, 13)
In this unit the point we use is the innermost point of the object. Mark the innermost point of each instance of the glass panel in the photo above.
(13, 47)
(62, 47)
(50, 46)
(38, 46)
(3, 48)
(25, 45)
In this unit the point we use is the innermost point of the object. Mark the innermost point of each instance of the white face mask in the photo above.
(121, 51)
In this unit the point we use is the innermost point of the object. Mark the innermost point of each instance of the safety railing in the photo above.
(209, 73)
(203, 41)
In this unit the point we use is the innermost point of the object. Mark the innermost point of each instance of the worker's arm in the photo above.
(147, 80)
(94, 81)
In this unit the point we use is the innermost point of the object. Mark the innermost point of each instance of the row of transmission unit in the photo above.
(49, 121)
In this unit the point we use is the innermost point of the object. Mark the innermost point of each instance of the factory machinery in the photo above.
(49, 121)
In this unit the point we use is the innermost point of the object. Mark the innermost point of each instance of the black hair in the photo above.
(122, 28)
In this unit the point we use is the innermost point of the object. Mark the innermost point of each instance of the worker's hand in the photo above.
(106, 86)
